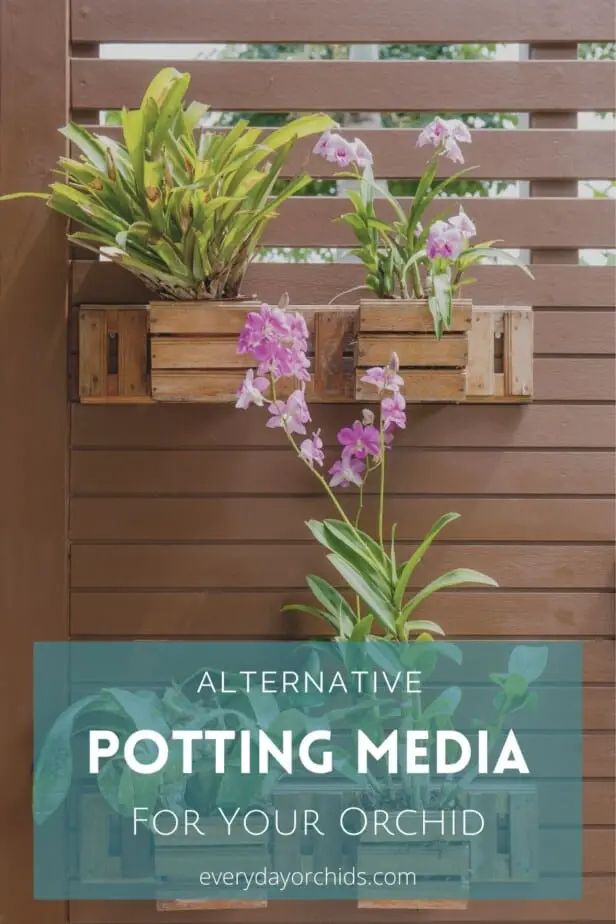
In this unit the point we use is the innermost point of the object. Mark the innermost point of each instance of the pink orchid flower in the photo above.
(347, 471)
(363, 154)
(383, 378)
(292, 415)
(251, 391)
(444, 241)
(445, 135)
(360, 441)
(463, 223)
(336, 149)
(392, 409)
(312, 450)
(323, 144)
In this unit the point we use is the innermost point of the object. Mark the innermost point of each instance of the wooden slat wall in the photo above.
(356, 21)
(187, 521)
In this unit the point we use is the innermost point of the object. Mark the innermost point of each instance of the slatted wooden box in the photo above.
(195, 358)
(181, 858)
(433, 370)
(505, 851)
(187, 352)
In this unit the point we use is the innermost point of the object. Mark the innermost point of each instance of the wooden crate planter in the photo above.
(506, 850)
(113, 354)
(442, 871)
(194, 351)
(180, 859)
(187, 352)
(433, 370)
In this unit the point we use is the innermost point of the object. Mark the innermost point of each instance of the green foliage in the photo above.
(394, 251)
(380, 585)
(181, 208)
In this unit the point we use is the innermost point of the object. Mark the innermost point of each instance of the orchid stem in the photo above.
(382, 490)
(316, 474)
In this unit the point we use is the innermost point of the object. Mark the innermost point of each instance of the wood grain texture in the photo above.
(521, 614)
(595, 906)
(268, 519)
(316, 284)
(258, 565)
(393, 316)
(540, 427)
(356, 21)
(191, 472)
(310, 221)
(347, 86)
(198, 353)
(499, 154)
(412, 351)
(35, 423)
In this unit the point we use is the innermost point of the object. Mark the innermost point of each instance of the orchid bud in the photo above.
(367, 418)
(394, 363)
(283, 304)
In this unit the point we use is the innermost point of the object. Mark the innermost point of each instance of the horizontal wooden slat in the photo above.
(357, 21)
(574, 379)
(597, 905)
(310, 221)
(345, 86)
(251, 613)
(575, 332)
(248, 519)
(158, 427)
(316, 284)
(414, 471)
(499, 154)
(258, 565)
(402, 317)
(198, 353)
(559, 379)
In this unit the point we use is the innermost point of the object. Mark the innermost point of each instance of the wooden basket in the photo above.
(195, 358)
(179, 860)
(187, 352)
(433, 370)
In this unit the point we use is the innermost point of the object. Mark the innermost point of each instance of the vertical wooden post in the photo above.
(33, 413)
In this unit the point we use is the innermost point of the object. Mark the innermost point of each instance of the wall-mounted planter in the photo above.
(187, 352)
(442, 872)
(180, 859)
(194, 350)
(433, 370)
(195, 358)
(505, 851)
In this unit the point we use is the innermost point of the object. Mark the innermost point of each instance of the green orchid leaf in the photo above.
(366, 590)
(408, 569)
(455, 578)
(334, 603)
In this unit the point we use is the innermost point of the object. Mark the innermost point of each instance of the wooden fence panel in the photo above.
(35, 420)
(497, 154)
(356, 21)
(348, 86)
(188, 521)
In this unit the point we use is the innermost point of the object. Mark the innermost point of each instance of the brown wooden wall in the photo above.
(188, 521)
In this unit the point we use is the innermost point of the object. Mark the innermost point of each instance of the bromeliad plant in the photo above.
(410, 255)
(370, 567)
(180, 207)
